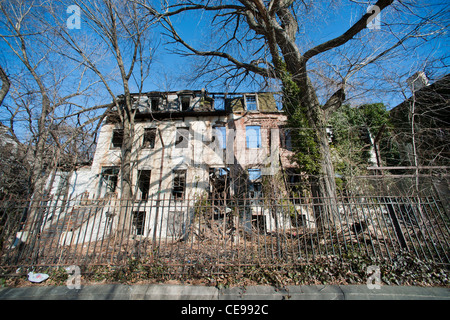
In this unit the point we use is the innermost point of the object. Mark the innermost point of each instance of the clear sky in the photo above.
(168, 71)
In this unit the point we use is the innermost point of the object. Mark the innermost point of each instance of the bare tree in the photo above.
(122, 31)
(114, 44)
(43, 87)
(264, 39)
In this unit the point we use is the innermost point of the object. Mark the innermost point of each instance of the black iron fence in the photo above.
(246, 231)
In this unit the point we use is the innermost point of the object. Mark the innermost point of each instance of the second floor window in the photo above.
(182, 138)
(220, 134)
(253, 137)
(149, 138)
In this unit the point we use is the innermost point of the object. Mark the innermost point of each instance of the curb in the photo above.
(187, 292)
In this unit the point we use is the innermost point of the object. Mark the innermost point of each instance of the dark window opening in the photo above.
(185, 103)
(144, 183)
(296, 184)
(285, 139)
(259, 223)
(117, 138)
(149, 138)
(154, 104)
(138, 222)
(179, 184)
(182, 138)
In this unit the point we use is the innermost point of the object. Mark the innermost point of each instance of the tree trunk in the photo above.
(126, 191)
(309, 113)
(325, 180)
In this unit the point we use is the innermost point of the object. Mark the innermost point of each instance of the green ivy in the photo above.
(304, 140)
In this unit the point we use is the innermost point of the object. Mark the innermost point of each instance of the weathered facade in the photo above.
(188, 145)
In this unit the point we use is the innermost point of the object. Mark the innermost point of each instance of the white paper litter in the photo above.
(37, 277)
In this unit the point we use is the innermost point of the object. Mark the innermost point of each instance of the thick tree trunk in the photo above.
(324, 185)
(325, 181)
(126, 191)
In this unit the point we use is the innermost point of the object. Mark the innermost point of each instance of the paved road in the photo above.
(190, 292)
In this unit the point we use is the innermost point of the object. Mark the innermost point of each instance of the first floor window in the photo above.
(253, 137)
(138, 222)
(108, 180)
(254, 185)
(179, 184)
(144, 183)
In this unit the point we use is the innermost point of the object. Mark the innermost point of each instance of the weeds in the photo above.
(404, 269)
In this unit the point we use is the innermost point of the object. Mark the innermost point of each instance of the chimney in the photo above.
(417, 81)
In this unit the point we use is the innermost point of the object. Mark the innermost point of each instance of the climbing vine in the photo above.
(304, 139)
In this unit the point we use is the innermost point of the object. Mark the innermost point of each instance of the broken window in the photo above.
(154, 104)
(278, 101)
(149, 138)
(144, 183)
(185, 103)
(117, 138)
(259, 223)
(219, 181)
(254, 185)
(138, 222)
(285, 139)
(250, 102)
(220, 134)
(253, 137)
(219, 103)
(182, 138)
(179, 184)
(108, 180)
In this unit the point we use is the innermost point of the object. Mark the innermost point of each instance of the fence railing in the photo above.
(218, 232)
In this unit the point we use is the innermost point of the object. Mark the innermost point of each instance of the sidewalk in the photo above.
(188, 292)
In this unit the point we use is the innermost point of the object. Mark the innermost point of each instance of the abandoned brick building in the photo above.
(187, 144)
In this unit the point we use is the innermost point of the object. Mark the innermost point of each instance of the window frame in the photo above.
(179, 189)
(106, 180)
(255, 103)
(222, 137)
